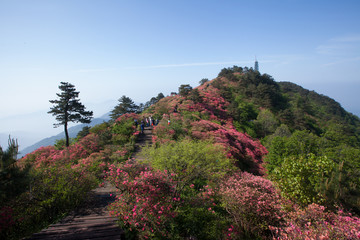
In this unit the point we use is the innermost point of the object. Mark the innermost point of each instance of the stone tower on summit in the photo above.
(256, 65)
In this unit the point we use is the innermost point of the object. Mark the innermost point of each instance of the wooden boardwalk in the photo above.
(92, 220)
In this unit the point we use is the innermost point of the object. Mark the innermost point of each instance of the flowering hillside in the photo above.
(205, 116)
(238, 157)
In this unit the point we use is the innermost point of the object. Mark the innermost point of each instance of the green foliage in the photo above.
(203, 81)
(84, 131)
(13, 180)
(68, 108)
(57, 189)
(104, 132)
(317, 113)
(282, 131)
(53, 192)
(344, 185)
(194, 96)
(122, 132)
(300, 178)
(265, 123)
(126, 105)
(152, 101)
(184, 89)
(298, 144)
(341, 187)
(192, 161)
(9, 157)
(243, 113)
(226, 72)
(60, 144)
(194, 219)
(340, 133)
(246, 111)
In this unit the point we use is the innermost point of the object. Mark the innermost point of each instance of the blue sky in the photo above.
(140, 48)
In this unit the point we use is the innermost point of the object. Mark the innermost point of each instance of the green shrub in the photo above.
(191, 161)
(301, 178)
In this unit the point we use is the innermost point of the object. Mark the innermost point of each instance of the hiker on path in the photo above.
(142, 127)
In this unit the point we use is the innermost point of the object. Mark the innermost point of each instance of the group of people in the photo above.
(146, 122)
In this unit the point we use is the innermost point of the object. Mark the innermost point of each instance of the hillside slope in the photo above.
(240, 156)
(241, 107)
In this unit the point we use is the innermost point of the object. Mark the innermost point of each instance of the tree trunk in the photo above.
(66, 134)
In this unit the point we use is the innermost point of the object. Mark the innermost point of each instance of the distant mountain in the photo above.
(73, 131)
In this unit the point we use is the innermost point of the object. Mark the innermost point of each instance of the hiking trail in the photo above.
(92, 219)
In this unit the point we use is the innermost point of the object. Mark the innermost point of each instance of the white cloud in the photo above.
(344, 46)
(355, 59)
(95, 70)
(350, 38)
(189, 64)
(330, 49)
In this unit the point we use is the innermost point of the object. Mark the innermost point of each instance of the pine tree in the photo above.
(68, 108)
(8, 157)
(126, 105)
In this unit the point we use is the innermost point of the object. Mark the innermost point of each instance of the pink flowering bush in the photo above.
(240, 146)
(253, 204)
(162, 134)
(314, 222)
(90, 143)
(145, 200)
(48, 156)
(165, 133)
(126, 117)
(196, 167)
(93, 164)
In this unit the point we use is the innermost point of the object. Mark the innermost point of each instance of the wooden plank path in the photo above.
(92, 220)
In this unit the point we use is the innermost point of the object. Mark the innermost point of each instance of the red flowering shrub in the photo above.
(314, 222)
(214, 102)
(46, 156)
(165, 132)
(162, 134)
(145, 201)
(165, 105)
(43, 156)
(94, 164)
(239, 146)
(90, 143)
(252, 202)
(126, 117)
